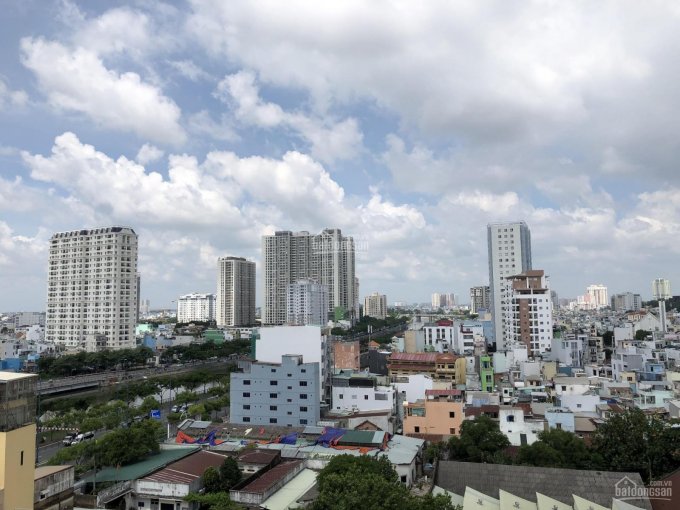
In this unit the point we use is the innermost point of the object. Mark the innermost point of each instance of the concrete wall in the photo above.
(17, 467)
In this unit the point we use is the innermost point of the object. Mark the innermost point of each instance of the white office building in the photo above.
(626, 302)
(307, 304)
(509, 246)
(326, 258)
(527, 312)
(92, 288)
(235, 303)
(196, 307)
(375, 306)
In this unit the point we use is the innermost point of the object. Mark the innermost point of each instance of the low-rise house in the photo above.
(517, 429)
(580, 403)
(437, 417)
(53, 488)
(560, 418)
(361, 392)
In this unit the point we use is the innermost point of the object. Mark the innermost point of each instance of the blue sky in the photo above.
(206, 124)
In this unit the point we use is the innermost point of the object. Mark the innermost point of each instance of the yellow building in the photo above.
(436, 418)
(17, 440)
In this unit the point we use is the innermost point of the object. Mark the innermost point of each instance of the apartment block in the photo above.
(527, 311)
(92, 288)
(509, 246)
(437, 417)
(196, 307)
(326, 258)
(307, 304)
(480, 298)
(375, 306)
(286, 394)
(235, 292)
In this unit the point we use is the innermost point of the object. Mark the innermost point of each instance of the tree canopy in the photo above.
(480, 440)
(350, 482)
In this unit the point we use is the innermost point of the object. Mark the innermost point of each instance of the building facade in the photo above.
(235, 303)
(527, 311)
(375, 306)
(285, 394)
(626, 302)
(326, 258)
(17, 439)
(596, 296)
(509, 246)
(480, 298)
(196, 307)
(92, 288)
(307, 304)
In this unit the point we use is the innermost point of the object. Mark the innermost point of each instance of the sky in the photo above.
(206, 124)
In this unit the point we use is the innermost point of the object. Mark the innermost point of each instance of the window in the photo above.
(564, 388)
(246, 382)
(304, 371)
(365, 397)
(303, 396)
(341, 396)
(273, 395)
(246, 406)
(273, 370)
(452, 414)
(452, 431)
(303, 409)
(273, 408)
(22, 458)
(273, 383)
(303, 383)
(416, 429)
(246, 394)
(140, 504)
(578, 405)
(246, 419)
(272, 420)
(303, 422)
(510, 419)
(558, 426)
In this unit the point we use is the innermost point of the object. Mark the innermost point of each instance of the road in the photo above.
(77, 382)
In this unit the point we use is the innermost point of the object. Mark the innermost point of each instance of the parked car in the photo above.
(184, 408)
(175, 409)
(88, 435)
(68, 439)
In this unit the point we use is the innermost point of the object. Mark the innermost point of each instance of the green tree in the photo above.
(632, 441)
(230, 474)
(608, 339)
(349, 482)
(211, 480)
(148, 404)
(641, 334)
(557, 448)
(480, 440)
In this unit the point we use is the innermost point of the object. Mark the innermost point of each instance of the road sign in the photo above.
(155, 414)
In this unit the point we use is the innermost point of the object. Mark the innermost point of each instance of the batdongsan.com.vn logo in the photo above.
(629, 489)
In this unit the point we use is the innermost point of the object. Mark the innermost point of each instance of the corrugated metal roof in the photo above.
(443, 393)
(430, 357)
(271, 477)
(187, 469)
(141, 469)
(292, 491)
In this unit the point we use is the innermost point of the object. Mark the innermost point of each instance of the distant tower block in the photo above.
(661, 288)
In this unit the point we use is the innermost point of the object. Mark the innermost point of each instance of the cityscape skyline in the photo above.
(192, 125)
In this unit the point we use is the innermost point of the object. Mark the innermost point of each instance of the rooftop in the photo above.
(271, 477)
(422, 357)
(43, 471)
(13, 376)
(188, 469)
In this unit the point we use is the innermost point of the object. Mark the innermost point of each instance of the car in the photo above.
(184, 408)
(68, 439)
(175, 409)
(88, 435)
(78, 439)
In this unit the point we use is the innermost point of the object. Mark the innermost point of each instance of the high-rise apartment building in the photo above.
(509, 247)
(527, 311)
(375, 306)
(596, 296)
(480, 298)
(307, 304)
(443, 300)
(92, 288)
(326, 258)
(661, 288)
(196, 307)
(235, 304)
(626, 302)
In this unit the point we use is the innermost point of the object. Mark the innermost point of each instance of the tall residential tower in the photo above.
(92, 288)
(326, 258)
(235, 304)
(509, 247)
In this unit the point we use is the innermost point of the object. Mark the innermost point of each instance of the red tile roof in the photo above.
(443, 393)
(422, 357)
(271, 477)
(188, 469)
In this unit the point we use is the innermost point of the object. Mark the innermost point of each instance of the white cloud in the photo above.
(77, 80)
(11, 97)
(329, 140)
(201, 124)
(149, 153)
(189, 70)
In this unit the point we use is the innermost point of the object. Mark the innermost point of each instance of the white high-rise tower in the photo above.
(509, 247)
(92, 289)
(661, 288)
